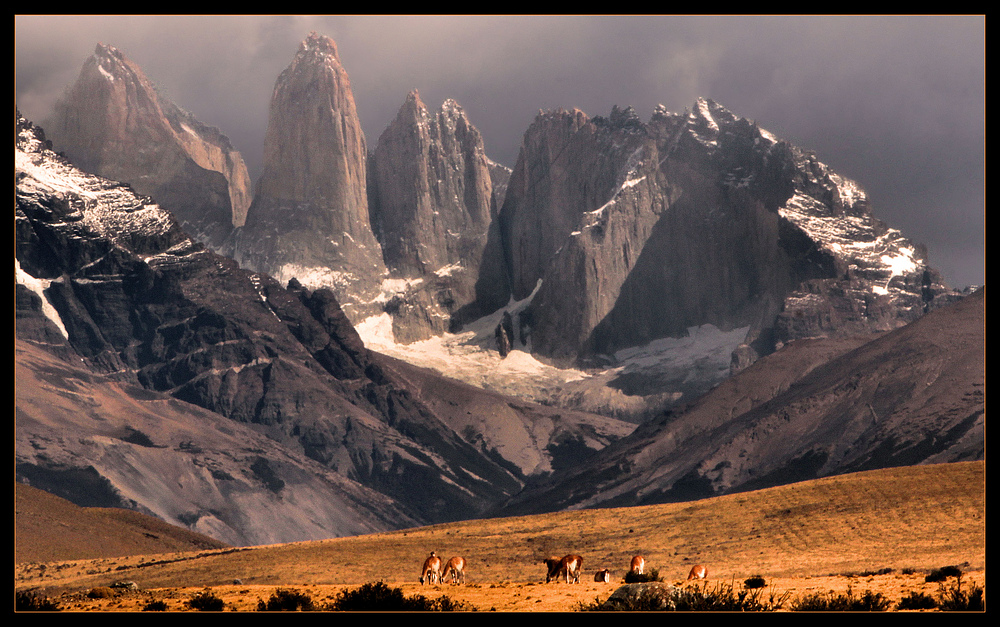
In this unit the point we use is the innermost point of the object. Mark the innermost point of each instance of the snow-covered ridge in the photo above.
(861, 241)
(109, 208)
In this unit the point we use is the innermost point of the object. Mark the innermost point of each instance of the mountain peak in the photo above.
(309, 218)
(413, 107)
(107, 50)
(113, 122)
(319, 45)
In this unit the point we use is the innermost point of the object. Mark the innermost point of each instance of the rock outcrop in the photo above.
(637, 231)
(433, 201)
(114, 123)
(309, 219)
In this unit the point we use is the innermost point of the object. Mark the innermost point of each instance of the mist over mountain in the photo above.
(625, 267)
(113, 122)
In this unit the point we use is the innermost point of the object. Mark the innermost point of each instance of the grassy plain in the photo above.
(880, 531)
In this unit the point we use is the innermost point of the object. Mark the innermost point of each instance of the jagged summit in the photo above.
(109, 53)
(641, 231)
(432, 199)
(310, 219)
(113, 122)
(318, 45)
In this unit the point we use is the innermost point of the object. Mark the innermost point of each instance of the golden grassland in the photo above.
(880, 531)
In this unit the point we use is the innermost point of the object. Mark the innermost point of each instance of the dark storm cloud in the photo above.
(897, 103)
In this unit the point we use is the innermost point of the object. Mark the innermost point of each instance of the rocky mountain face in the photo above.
(611, 234)
(815, 408)
(106, 279)
(432, 206)
(309, 219)
(635, 231)
(114, 123)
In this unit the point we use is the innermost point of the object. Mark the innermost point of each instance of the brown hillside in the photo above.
(816, 535)
(48, 528)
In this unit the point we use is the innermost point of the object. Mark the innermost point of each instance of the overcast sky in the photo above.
(896, 103)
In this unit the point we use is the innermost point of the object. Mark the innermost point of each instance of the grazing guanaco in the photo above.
(456, 568)
(603, 576)
(432, 569)
(698, 572)
(565, 567)
(638, 565)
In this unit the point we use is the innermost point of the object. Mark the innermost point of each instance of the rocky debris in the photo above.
(98, 443)
(650, 596)
(114, 123)
(505, 334)
(309, 219)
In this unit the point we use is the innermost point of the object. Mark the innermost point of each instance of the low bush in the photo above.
(31, 602)
(954, 599)
(286, 600)
(756, 581)
(155, 606)
(941, 574)
(380, 597)
(205, 601)
(100, 592)
(651, 575)
(724, 597)
(917, 601)
(868, 602)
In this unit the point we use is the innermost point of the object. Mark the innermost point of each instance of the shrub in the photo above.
(868, 602)
(917, 601)
(205, 601)
(656, 597)
(639, 597)
(100, 592)
(725, 598)
(954, 599)
(756, 581)
(286, 600)
(380, 597)
(881, 571)
(155, 606)
(941, 574)
(651, 575)
(31, 602)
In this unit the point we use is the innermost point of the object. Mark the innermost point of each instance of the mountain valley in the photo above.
(385, 335)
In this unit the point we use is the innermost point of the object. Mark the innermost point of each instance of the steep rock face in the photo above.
(637, 231)
(112, 122)
(309, 218)
(432, 204)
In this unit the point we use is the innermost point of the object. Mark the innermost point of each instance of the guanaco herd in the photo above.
(567, 567)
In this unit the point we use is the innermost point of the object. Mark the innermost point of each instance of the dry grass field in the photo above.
(879, 531)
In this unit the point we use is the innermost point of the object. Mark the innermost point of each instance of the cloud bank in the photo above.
(896, 103)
